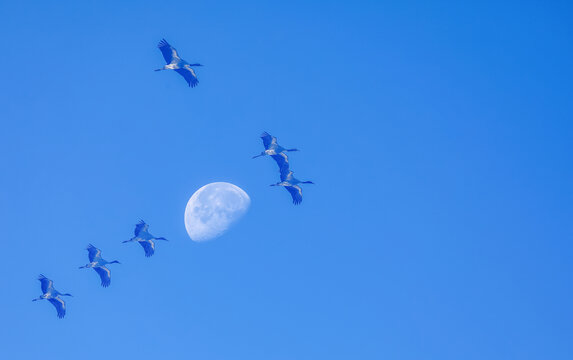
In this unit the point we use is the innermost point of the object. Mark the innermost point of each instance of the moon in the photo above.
(212, 209)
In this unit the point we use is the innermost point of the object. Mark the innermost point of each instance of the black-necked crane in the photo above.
(289, 182)
(273, 149)
(174, 62)
(144, 238)
(52, 295)
(99, 265)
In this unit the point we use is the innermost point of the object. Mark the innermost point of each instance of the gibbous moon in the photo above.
(213, 209)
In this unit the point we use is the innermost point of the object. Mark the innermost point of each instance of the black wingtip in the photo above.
(162, 43)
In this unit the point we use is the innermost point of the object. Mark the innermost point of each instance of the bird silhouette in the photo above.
(174, 62)
(52, 295)
(99, 265)
(144, 238)
(289, 182)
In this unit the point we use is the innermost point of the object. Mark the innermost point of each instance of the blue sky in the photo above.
(438, 135)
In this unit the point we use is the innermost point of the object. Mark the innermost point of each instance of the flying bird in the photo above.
(174, 62)
(98, 264)
(274, 150)
(289, 182)
(144, 238)
(52, 295)
(271, 146)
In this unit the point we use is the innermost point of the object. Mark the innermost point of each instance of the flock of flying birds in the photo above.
(142, 235)
(278, 153)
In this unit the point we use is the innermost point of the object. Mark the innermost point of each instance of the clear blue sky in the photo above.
(438, 135)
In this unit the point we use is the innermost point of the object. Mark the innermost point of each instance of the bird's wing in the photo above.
(94, 253)
(60, 306)
(148, 246)
(296, 193)
(139, 227)
(189, 74)
(168, 51)
(288, 175)
(268, 139)
(104, 274)
(46, 284)
(282, 161)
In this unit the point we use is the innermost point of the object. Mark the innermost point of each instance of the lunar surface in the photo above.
(213, 209)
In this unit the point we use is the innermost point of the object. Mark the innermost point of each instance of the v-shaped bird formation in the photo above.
(141, 233)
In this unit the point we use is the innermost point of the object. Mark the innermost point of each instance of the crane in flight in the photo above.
(289, 182)
(144, 238)
(99, 265)
(52, 295)
(174, 62)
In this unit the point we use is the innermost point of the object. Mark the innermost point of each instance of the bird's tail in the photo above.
(82, 267)
(292, 150)
(261, 154)
(158, 69)
(161, 238)
(36, 299)
(128, 240)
